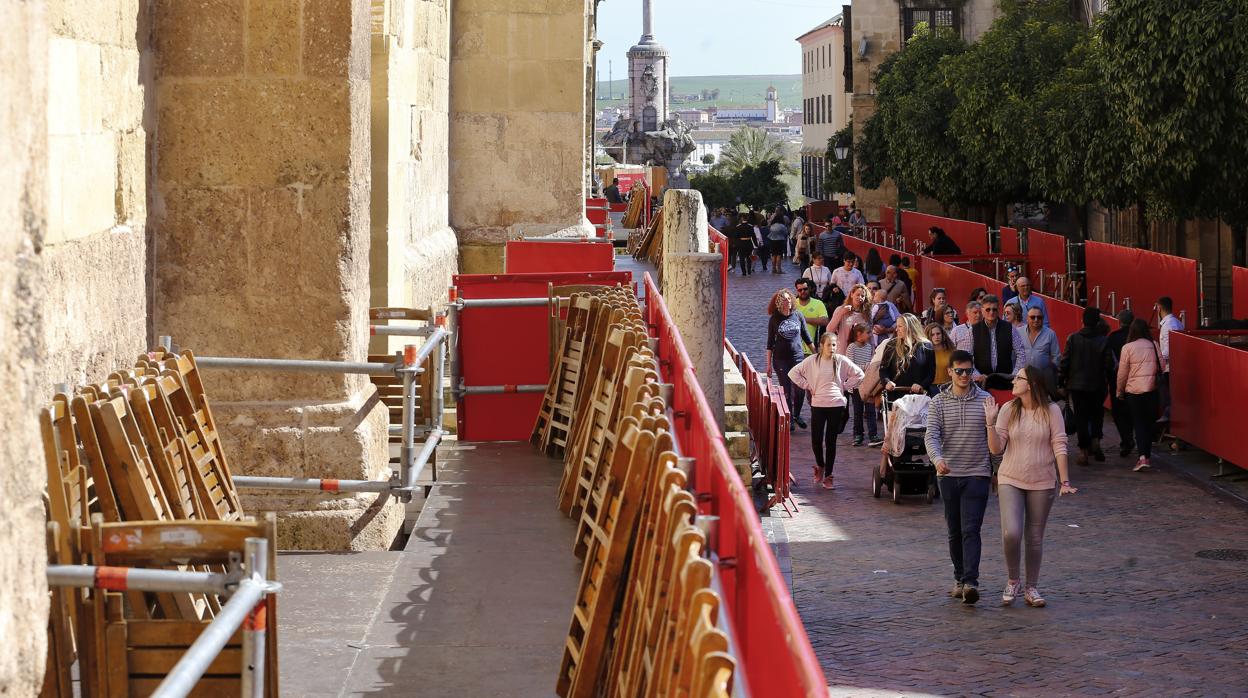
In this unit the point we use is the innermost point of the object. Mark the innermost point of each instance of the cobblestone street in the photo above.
(1132, 609)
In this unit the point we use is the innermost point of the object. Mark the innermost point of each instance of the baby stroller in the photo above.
(906, 470)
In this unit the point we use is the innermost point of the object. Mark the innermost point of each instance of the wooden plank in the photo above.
(160, 661)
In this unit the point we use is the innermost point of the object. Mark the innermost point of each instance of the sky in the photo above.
(714, 37)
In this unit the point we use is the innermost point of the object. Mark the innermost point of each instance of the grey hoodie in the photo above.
(956, 432)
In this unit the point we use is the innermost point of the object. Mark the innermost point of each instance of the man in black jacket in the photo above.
(997, 347)
(742, 235)
(1085, 371)
(941, 243)
(1118, 407)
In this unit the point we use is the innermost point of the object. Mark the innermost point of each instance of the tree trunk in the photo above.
(1141, 226)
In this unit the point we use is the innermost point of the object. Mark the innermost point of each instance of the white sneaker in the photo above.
(1033, 598)
(1013, 590)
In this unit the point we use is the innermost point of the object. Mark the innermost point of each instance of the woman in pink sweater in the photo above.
(828, 377)
(1030, 430)
(1138, 370)
(856, 311)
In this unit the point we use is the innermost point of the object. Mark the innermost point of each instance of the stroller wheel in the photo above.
(896, 491)
(876, 482)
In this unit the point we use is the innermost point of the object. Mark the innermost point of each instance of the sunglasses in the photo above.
(1035, 317)
(989, 309)
(962, 371)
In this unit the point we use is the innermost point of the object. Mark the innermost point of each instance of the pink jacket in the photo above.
(842, 323)
(1031, 445)
(1138, 367)
(827, 381)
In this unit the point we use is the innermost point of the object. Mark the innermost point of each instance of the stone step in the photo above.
(734, 383)
(738, 443)
(736, 418)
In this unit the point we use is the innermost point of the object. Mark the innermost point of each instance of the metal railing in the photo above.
(246, 588)
(406, 367)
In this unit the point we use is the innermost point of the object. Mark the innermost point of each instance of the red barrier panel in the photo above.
(1206, 377)
(773, 647)
(1045, 252)
(720, 239)
(1143, 276)
(527, 257)
(1239, 292)
(1064, 318)
(508, 346)
(1010, 244)
(888, 218)
(819, 210)
(971, 237)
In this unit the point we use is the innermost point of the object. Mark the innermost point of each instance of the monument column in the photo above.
(261, 214)
(691, 287)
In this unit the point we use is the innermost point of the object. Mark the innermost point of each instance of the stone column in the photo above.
(262, 243)
(517, 124)
(692, 288)
(23, 222)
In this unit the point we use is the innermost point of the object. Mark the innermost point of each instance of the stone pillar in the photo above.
(692, 288)
(23, 217)
(517, 125)
(262, 243)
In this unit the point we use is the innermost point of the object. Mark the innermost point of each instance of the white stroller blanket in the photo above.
(906, 411)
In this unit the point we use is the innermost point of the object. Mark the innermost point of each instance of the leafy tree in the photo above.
(717, 190)
(708, 159)
(749, 147)
(1177, 74)
(760, 185)
(871, 154)
(841, 175)
(914, 109)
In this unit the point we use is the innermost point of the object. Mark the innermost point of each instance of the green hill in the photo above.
(734, 90)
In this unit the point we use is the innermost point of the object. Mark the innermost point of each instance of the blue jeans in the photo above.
(965, 500)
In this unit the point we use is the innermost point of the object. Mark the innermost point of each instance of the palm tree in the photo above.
(749, 146)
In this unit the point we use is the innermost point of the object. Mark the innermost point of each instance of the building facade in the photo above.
(825, 109)
(876, 29)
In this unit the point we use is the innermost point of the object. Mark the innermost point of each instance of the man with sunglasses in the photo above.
(1041, 346)
(997, 347)
(958, 419)
(812, 308)
(1026, 300)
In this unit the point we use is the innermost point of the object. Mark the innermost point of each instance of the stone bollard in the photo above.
(691, 288)
(684, 222)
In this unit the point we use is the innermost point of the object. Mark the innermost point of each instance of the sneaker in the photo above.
(1033, 598)
(857, 440)
(792, 426)
(970, 594)
(1013, 590)
(875, 443)
(827, 483)
(956, 591)
(800, 422)
(1098, 454)
(1142, 464)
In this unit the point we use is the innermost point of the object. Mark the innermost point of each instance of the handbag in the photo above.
(1068, 417)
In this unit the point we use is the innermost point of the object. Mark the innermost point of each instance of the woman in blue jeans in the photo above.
(786, 334)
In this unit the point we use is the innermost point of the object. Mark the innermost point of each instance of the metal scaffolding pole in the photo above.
(139, 579)
(294, 365)
(320, 484)
(251, 591)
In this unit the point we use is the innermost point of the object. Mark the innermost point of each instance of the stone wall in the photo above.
(23, 200)
(517, 124)
(262, 242)
(878, 21)
(414, 251)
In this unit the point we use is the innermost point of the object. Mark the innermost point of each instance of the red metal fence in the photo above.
(1046, 253)
(772, 644)
(971, 237)
(722, 240)
(1207, 377)
(1239, 291)
(1142, 276)
(523, 256)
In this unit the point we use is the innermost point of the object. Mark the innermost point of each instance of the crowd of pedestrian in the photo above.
(859, 315)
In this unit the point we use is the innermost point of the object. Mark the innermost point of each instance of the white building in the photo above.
(710, 141)
(825, 109)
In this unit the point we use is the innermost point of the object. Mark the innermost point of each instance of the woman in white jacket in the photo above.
(827, 377)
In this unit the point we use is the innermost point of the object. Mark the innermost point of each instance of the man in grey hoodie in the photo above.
(957, 443)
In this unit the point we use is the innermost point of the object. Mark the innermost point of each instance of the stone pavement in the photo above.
(1132, 609)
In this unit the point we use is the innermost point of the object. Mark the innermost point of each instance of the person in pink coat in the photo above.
(1139, 368)
(828, 377)
(855, 311)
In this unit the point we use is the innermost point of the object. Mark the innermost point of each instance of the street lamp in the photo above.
(841, 149)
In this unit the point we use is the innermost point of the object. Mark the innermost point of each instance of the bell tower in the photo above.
(647, 76)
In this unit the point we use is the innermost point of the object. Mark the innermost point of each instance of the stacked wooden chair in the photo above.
(645, 619)
(140, 451)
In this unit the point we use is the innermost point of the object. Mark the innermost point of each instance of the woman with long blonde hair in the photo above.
(855, 311)
(908, 363)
